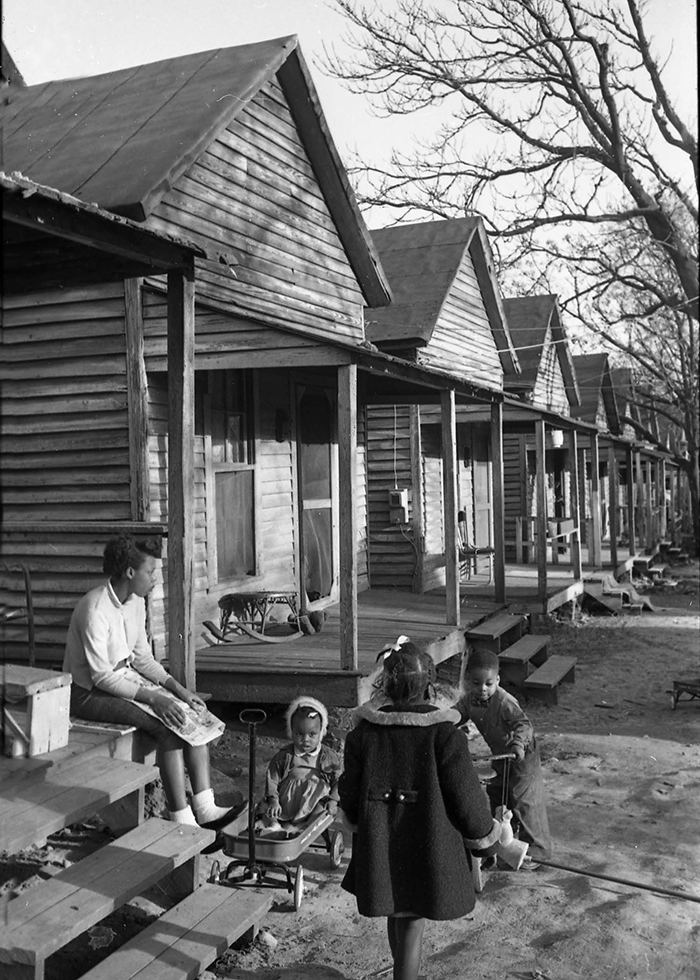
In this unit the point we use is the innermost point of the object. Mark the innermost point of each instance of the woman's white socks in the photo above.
(183, 816)
(205, 809)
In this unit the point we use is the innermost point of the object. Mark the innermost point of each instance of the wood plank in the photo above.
(347, 475)
(552, 672)
(541, 511)
(45, 919)
(181, 327)
(497, 457)
(596, 542)
(187, 938)
(137, 388)
(449, 477)
(33, 810)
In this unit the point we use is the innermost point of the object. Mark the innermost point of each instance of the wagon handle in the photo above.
(252, 717)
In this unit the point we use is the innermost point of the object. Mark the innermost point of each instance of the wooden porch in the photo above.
(246, 670)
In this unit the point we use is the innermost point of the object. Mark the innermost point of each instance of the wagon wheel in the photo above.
(298, 888)
(477, 876)
(337, 848)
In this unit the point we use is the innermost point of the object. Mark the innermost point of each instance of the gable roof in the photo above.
(595, 379)
(123, 139)
(529, 319)
(421, 261)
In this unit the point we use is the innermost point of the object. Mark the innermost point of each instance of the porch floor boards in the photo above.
(383, 615)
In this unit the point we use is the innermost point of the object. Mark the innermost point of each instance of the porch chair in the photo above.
(469, 554)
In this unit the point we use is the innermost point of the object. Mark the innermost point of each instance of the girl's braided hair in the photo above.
(408, 673)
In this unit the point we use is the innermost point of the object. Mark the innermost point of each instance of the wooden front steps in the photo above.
(497, 632)
(41, 920)
(186, 939)
(520, 659)
(523, 657)
(545, 680)
(36, 804)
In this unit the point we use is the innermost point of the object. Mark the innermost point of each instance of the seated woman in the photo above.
(109, 655)
(302, 778)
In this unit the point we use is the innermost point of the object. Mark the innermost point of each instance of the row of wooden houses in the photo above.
(201, 340)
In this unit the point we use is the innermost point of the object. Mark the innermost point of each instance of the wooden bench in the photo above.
(518, 660)
(543, 683)
(37, 804)
(186, 939)
(43, 919)
(497, 632)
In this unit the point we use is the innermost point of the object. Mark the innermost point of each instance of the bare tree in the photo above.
(557, 127)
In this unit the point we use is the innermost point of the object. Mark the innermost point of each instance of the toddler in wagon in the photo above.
(302, 778)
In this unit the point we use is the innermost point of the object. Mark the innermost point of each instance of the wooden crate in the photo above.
(36, 711)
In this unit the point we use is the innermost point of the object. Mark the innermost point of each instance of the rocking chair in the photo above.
(469, 554)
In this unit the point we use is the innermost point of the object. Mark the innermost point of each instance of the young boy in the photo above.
(506, 728)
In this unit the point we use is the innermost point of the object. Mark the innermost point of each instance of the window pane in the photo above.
(235, 525)
(318, 551)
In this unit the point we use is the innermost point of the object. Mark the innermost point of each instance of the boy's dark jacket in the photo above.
(410, 786)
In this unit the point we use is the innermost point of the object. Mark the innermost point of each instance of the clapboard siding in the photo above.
(363, 580)
(252, 198)
(433, 559)
(392, 552)
(220, 333)
(514, 488)
(550, 391)
(462, 341)
(65, 452)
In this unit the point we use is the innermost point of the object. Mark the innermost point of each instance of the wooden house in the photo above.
(654, 488)
(256, 410)
(547, 382)
(447, 314)
(51, 239)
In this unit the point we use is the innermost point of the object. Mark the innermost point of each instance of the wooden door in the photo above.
(315, 435)
(483, 500)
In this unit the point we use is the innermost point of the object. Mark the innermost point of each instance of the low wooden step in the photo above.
(543, 683)
(34, 805)
(657, 571)
(85, 740)
(43, 919)
(497, 632)
(519, 660)
(186, 939)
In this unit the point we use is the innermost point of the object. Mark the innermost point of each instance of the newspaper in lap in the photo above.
(199, 728)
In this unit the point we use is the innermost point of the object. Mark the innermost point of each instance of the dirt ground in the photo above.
(622, 772)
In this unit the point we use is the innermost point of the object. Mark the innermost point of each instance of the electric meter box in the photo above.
(398, 506)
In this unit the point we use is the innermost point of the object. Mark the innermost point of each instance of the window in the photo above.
(230, 428)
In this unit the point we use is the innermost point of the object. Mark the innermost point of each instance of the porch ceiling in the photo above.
(52, 240)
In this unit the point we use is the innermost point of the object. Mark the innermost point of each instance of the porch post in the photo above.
(613, 497)
(639, 502)
(541, 513)
(449, 482)
(673, 484)
(663, 509)
(584, 530)
(499, 548)
(575, 505)
(631, 529)
(181, 476)
(595, 502)
(648, 506)
(347, 474)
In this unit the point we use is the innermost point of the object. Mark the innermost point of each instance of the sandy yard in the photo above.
(622, 771)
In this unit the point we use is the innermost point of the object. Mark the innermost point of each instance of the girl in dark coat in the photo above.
(411, 792)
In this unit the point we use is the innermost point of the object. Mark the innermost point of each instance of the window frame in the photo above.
(211, 468)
